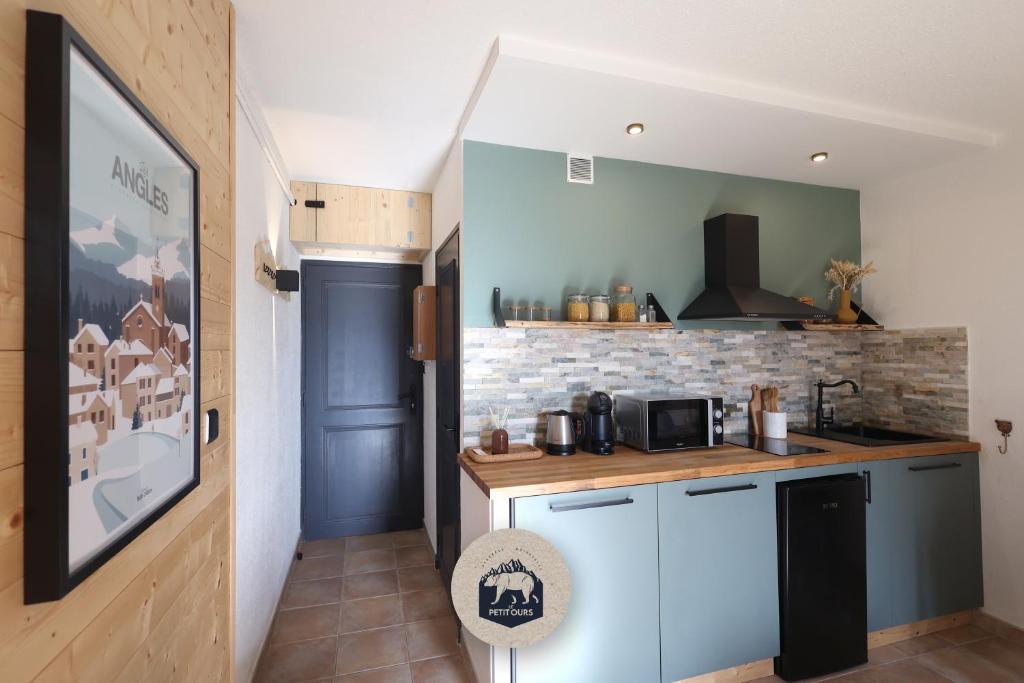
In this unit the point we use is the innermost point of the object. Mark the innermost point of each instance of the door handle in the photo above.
(587, 506)
(411, 395)
(725, 489)
(928, 468)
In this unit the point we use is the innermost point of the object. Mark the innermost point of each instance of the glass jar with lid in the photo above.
(577, 309)
(599, 308)
(623, 304)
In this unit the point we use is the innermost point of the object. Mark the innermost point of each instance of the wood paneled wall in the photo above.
(162, 608)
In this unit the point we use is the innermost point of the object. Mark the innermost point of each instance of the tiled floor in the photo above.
(965, 654)
(370, 609)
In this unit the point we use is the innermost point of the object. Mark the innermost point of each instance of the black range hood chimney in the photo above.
(732, 276)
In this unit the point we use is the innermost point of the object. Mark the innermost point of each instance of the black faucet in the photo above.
(820, 419)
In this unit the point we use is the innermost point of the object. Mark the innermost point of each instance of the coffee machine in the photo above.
(598, 428)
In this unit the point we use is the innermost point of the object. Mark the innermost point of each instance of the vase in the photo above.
(499, 442)
(845, 313)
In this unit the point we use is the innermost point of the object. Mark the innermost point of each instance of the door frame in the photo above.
(304, 264)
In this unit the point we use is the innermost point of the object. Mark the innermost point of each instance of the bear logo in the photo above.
(511, 594)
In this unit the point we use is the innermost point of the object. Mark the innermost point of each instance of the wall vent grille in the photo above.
(579, 169)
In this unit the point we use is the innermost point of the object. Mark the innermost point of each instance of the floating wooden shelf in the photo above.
(832, 327)
(565, 324)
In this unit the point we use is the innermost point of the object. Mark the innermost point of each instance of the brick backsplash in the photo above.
(914, 379)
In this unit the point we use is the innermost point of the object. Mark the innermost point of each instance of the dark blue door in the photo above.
(362, 431)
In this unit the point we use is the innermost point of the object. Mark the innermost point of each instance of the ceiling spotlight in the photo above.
(819, 157)
(634, 129)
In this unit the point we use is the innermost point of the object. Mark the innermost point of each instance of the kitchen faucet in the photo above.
(820, 419)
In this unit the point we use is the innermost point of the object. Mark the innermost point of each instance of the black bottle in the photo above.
(598, 428)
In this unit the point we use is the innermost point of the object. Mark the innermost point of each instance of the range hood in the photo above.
(732, 277)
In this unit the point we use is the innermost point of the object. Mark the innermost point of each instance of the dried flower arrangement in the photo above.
(846, 275)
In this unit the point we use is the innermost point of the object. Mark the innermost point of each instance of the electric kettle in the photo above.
(564, 431)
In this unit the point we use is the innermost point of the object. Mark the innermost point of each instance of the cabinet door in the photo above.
(719, 573)
(937, 558)
(882, 480)
(609, 541)
(348, 215)
(302, 218)
(406, 224)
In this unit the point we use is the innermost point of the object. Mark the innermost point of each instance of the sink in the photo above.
(866, 435)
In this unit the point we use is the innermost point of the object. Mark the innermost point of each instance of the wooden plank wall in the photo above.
(162, 608)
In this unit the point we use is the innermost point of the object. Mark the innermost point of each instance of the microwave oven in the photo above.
(655, 423)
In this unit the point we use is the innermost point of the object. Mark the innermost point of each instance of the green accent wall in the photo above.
(538, 237)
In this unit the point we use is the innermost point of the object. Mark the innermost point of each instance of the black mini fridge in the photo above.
(822, 576)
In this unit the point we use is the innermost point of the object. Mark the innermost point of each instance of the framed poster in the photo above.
(111, 322)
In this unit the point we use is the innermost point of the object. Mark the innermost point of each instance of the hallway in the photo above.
(364, 608)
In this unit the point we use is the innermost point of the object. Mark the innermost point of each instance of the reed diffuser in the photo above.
(499, 437)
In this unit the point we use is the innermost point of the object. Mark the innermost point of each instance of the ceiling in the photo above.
(374, 92)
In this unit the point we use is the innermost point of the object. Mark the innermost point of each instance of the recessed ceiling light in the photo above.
(819, 157)
(634, 129)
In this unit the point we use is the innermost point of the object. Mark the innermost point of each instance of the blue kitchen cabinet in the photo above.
(936, 553)
(882, 509)
(609, 541)
(719, 573)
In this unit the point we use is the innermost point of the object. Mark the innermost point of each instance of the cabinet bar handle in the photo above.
(315, 204)
(926, 468)
(867, 486)
(587, 506)
(727, 489)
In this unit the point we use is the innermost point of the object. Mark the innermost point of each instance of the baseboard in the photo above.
(277, 610)
(736, 674)
(918, 628)
(1001, 628)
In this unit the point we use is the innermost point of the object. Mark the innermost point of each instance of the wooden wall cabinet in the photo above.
(424, 324)
(346, 220)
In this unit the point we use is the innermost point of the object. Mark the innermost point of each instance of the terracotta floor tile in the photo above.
(305, 623)
(361, 561)
(906, 671)
(390, 674)
(359, 615)
(418, 578)
(309, 593)
(302, 661)
(372, 650)
(402, 539)
(885, 654)
(432, 638)
(323, 547)
(441, 670)
(414, 556)
(920, 645)
(967, 633)
(369, 585)
(317, 568)
(421, 605)
(962, 666)
(1007, 654)
(369, 542)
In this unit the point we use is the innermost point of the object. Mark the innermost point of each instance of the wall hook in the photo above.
(1004, 427)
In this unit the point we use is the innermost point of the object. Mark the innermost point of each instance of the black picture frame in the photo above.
(49, 45)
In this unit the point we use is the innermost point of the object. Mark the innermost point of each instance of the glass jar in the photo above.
(623, 304)
(514, 312)
(545, 313)
(577, 309)
(599, 308)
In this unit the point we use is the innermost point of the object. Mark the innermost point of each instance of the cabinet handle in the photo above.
(726, 489)
(927, 468)
(867, 486)
(315, 204)
(587, 506)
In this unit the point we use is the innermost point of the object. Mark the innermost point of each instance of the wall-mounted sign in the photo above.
(112, 273)
(265, 268)
(511, 588)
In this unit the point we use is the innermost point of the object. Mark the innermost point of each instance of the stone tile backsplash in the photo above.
(915, 379)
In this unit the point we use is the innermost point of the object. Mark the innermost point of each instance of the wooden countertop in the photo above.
(628, 467)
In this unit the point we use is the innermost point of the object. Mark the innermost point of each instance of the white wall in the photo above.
(267, 418)
(949, 245)
(446, 208)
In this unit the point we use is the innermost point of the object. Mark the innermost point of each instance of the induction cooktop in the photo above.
(773, 446)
